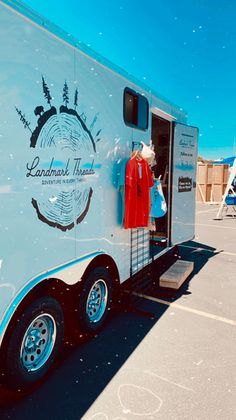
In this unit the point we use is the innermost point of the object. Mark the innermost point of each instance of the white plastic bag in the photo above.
(147, 153)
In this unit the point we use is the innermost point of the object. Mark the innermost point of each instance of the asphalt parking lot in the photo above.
(167, 355)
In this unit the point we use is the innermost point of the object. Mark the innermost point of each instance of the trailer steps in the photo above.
(176, 274)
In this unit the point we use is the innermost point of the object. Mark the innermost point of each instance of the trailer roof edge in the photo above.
(38, 19)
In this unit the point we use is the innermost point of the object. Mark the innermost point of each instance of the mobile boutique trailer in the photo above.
(68, 121)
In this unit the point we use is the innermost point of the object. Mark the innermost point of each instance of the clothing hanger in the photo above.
(136, 154)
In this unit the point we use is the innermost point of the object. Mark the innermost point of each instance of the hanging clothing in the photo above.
(121, 189)
(159, 207)
(138, 181)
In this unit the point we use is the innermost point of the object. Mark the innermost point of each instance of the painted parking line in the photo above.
(197, 248)
(187, 309)
(206, 211)
(227, 253)
(216, 251)
(216, 226)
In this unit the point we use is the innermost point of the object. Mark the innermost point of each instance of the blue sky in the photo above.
(185, 50)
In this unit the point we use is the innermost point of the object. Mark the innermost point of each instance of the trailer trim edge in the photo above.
(70, 273)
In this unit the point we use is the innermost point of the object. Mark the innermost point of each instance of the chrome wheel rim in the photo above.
(38, 342)
(97, 301)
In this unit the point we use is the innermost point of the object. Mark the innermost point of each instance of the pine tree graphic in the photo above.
(25, 123)
(46, 92)
(76, 98)
(65, 94)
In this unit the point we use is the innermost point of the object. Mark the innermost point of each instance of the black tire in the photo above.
(43, 321)
(99, 276)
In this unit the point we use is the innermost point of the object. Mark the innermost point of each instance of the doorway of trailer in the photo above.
(159, 228)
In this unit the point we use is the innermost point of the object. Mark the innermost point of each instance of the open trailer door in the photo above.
(183, 196)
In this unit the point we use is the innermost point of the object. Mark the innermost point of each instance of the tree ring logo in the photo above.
(64, 161)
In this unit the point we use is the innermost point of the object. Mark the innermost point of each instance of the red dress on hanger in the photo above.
(138, 181)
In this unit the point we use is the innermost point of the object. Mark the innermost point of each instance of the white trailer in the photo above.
(68, 120)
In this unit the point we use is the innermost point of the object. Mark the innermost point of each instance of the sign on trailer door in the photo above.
(185, 139)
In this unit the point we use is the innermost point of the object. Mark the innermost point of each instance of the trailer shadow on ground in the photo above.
(195, 252)
(88, 364)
